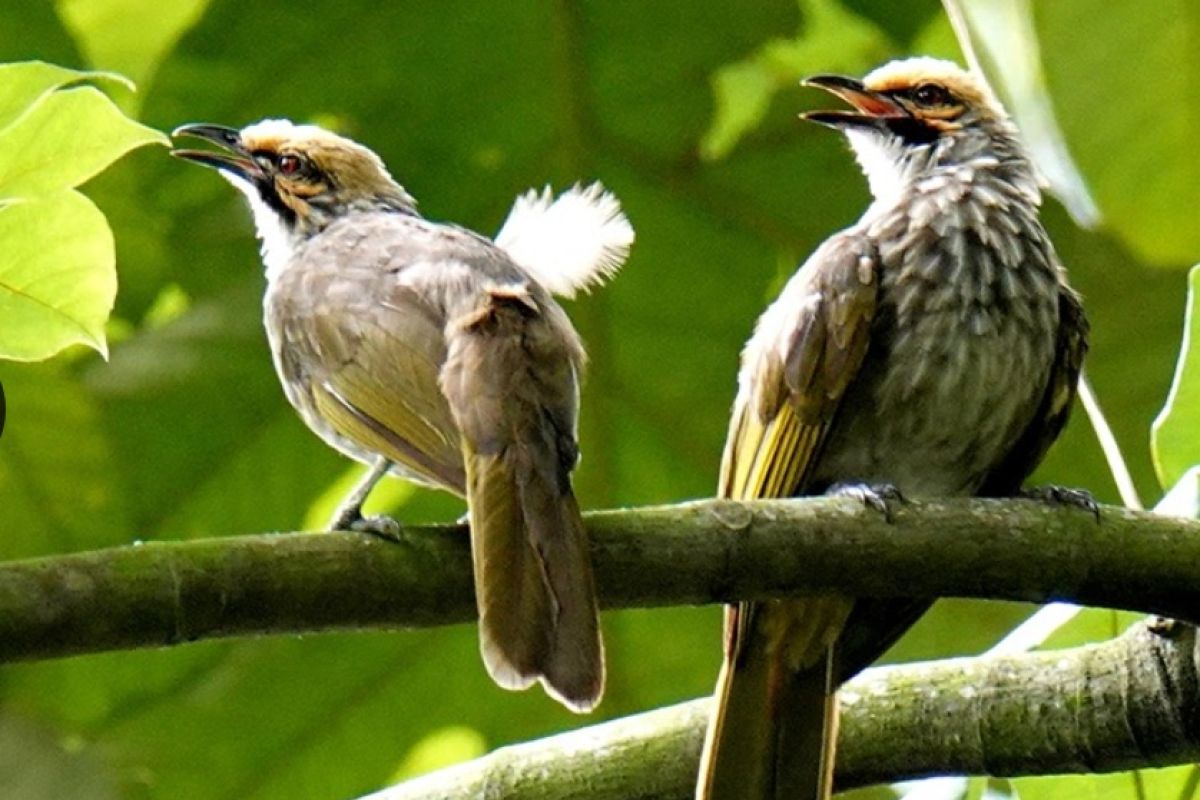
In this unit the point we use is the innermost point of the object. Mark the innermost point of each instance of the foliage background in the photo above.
(184, 432)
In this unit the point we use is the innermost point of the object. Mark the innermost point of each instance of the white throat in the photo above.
(278, 243)
(884, 162)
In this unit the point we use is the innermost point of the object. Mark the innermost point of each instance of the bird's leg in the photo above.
(1063, 496)
(348, 516)
(871, 495)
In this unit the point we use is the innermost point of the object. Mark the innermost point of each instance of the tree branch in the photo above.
(702, 552)
(1132, 701)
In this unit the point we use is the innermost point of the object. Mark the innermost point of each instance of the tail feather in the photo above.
(533, 581)
(515, 608)
(773, 729)
(567, 244)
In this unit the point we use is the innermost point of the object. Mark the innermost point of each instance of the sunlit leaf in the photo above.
(63, 139)
(1159, 784)
(57, 276)
(24, 82)
(833, 39)
(1125, 78)
(1001, 34)
(129, 36)
(441, 748)
(1175, 439)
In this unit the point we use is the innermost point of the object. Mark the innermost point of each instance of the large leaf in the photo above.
(1132, 128)
(22, 83)
(59, 483)
(833, 39)
(57, 275)
(1176, 431)
(129, 36)
(57, 263)
(1178, 783)
(64, 138)
(1000, 35)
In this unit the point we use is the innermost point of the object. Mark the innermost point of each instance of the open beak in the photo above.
(235, 160)
(872, 109)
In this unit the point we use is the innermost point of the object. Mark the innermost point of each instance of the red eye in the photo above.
(288, 165)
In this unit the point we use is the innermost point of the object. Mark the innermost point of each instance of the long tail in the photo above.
(533, 581)
(774, 727)
(510, 380)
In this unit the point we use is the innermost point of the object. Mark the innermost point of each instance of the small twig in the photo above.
(1108, 443)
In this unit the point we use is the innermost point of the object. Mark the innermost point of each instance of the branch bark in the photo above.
(709, 551)
(1130, 702)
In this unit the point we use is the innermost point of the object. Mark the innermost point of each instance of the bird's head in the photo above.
(913, 115)
(299, 178)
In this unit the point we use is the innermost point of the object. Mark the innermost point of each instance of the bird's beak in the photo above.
(236, 160)
(872, 109)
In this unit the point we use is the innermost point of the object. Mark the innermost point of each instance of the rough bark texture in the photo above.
(1133, 701)
(710, 551)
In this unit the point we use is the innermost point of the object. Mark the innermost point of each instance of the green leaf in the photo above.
(1000, 33)
(441, 748)
(1175, 434)
(1158, 784)
(834, 39)
(129, 36)
(26, 81)
(57, 276)
(1133, 131)
(60, 484)
(63, 139)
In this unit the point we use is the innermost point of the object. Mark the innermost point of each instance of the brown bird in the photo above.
(432, 352)
(930, 350)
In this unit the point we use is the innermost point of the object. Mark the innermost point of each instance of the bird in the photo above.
(431, 352)
(931, 349)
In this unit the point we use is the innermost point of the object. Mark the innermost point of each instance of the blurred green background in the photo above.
(688, 113)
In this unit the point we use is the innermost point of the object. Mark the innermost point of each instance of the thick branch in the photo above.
(1129, 702)
(164, 593)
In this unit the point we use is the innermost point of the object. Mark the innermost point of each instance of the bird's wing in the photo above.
(1052, 413)
(804, 354)
(373, 347)
(796, 368)
(772, 729)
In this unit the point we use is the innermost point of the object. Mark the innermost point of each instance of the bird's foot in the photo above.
(351, 519)
(872, 495)
(1063, 496)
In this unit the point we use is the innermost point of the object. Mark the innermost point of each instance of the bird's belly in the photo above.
(937, 409)
(300, 372)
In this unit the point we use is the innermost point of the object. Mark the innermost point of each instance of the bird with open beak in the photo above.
(436, 354)
(932, 349)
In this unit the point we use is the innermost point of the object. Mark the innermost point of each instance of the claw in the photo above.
(1064, 496)
(871, 495)
(351, 519)
(379, 525)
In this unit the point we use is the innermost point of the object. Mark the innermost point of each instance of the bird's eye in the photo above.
(930, 95)
(289, 164)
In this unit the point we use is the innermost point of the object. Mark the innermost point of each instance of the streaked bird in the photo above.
(932, 349)
(432, 352)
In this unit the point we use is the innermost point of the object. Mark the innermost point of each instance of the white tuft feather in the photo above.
(575, 242)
